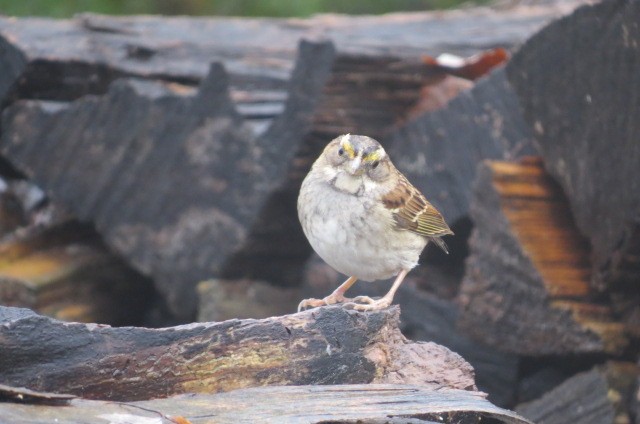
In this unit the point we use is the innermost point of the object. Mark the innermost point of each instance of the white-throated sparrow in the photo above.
(364, 218)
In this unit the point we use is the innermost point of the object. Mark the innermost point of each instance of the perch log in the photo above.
(329, 345)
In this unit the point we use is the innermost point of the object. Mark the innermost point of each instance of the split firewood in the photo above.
(600, 396)
(526, 288)
(329, 345)
(172, 177)
(439, 151)
(32, 397)
(43, 54)
(59, 267)
(269, 111)
(584, 112)
(65, 271)
(366, 404)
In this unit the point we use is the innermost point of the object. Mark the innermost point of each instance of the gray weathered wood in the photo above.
(120, 160)
(367, 404)
(602, 395)
(581, 399)
(90, 51)
(172, 178)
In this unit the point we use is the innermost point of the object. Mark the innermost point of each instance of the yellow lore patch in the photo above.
(373, 156)
(346, 145)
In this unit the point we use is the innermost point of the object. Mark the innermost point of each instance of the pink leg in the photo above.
(336, 297)
(383, 302)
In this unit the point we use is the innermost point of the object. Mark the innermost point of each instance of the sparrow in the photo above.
(365, 219)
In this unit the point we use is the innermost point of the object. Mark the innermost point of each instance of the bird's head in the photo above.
(358, 155)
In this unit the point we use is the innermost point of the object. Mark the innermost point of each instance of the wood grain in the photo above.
(526, 287)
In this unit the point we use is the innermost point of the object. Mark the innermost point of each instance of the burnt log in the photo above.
(326, 346)
(587, 130)
(526, 288)
(367, 404)
(600, 396)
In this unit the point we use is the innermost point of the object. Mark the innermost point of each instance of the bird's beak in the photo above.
(354, 166)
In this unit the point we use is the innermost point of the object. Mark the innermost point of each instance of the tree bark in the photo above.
(329, 345)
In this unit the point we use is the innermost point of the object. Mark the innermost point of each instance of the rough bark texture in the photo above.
(366, 404)
(326, 346)
(172, 180)
(191, 171)
(600, 396)
(587, 130)
(427, 318)
(439, 151)
(526, 288)
(264, 112)
(581, 399)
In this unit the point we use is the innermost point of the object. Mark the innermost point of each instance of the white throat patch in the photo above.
(348, 183)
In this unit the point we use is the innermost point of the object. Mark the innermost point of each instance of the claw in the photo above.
(375, 305)
(363, 299)
(310, 303)
(332, 299)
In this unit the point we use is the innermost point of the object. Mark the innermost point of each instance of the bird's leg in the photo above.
(383, 302)
(336, 297)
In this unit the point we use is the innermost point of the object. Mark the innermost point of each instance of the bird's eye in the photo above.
(341, 151)
(375, 164)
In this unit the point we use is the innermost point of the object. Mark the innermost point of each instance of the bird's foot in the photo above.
(368, 304)
(363, 299)
(332, 299)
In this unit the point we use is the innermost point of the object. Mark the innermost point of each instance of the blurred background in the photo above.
(269, 8)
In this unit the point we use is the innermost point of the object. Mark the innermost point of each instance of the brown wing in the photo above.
(412, 212)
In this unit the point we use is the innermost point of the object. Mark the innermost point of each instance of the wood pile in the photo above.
(150, 169)
(278, 98)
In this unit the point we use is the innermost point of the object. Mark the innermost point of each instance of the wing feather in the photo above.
(411, 211)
